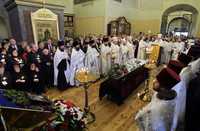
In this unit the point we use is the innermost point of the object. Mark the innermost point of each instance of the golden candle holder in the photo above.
(153, 56)
(85, 77)
(146, 94)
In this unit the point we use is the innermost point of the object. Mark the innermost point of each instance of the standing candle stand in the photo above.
(85, 77)
(152, 56)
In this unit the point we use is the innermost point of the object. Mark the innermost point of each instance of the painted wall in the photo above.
(146, 15)
(69, 6)
(142, 14)
(116, 9)
(90, 17)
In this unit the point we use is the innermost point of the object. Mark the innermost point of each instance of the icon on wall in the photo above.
(45, 25)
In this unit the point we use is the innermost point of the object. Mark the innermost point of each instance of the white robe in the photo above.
(124, 53)
(92, 61)
(160, 42)
(77, 62)
(59, 55)
(142, 50)
(131, 52)
(177, 48)
(105, 59)
(116, 53)
(190, 43)
(166, 53)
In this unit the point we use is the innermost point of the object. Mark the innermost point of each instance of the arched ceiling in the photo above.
(181, 7)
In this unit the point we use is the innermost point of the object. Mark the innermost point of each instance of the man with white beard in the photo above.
(124, 51)
(131, 47)
(92, 59)
(61, 66)
(105, 57)
(115, 51)
(77, 61)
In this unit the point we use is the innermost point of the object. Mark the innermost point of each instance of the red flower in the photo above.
(69, 103)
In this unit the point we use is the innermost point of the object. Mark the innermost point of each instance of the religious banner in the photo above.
(45, 25)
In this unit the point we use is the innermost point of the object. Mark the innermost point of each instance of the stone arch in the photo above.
(175, 8)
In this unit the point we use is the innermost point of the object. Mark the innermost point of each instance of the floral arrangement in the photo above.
(17, 97)
(68, 118)
(133, 64)
(117, 71)
(71, 114)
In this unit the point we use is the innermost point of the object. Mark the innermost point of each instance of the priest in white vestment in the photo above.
(124, 51)
(115, 51)
(167, 51)
(105, 57)
(142, 49)
(61, 60)
(92, 59)
(131, 47)
(77, 62)
(178, 47)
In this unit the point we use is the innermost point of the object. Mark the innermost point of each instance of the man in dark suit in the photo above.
(49, 45)
(13, 45)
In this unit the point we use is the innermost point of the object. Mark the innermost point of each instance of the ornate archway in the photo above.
(176, 8)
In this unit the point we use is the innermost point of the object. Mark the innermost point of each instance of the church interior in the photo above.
(99, 65)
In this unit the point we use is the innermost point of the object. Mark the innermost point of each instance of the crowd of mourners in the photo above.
(33, 67)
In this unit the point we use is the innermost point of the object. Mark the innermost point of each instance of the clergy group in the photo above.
(35, 67)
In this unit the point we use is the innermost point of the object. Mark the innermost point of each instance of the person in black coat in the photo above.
(47, 68)
(5, 78)
(34, 55)
(19, 79)
(13, 58)
(49, 45)
(35, 83)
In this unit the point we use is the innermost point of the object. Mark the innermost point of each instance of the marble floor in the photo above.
(109, 116)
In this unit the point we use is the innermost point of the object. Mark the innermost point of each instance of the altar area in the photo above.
(109, 116)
